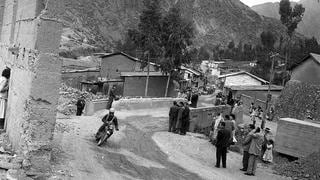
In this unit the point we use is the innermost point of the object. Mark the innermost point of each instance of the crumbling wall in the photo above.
(300, 101)
(30, 26)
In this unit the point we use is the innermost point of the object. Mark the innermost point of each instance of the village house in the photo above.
(191, 78)
(308, 70)
(241, 78)
(129, 75)
(75, 71)
(256, 93)
(113, 64)
(134, 84)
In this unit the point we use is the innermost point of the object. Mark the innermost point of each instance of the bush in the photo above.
(299, 100)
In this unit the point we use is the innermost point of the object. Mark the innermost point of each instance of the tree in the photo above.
(177, 35)
(268, 40)
(290, 17)
(146, 37)
(311, 45)
(203, 53)
(166, 38)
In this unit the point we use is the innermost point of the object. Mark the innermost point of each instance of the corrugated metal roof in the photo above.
(243, 72)
(128, 56)
(128, 74)
(256, 88)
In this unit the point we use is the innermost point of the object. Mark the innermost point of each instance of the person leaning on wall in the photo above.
(4, 88)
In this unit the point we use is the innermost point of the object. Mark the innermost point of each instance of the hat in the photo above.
(112, 110)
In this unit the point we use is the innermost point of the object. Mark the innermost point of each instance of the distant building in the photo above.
(128, 74)
(191, 78)
(255, 93)
(241, 78)
(113, 64)
(135, 83)
(308, 70)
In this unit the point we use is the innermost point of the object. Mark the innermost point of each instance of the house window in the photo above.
(189, 75)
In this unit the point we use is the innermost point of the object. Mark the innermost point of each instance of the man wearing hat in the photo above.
(267, 134)
(108, 118)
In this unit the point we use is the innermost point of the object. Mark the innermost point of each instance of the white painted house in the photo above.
(241, 78)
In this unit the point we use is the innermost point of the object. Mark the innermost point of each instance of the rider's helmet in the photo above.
(112, 110)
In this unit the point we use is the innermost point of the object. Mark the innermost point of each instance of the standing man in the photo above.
(194, 99)
(246, 146)
(173, 116)
(80, 106)
(222, 144)
(266, 138)
(112, 96)
(179, 118)
(254, 151)
(185, 119)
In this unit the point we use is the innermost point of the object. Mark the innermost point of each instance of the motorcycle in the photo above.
(105, 134)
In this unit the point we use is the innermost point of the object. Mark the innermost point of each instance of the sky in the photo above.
(255, 2)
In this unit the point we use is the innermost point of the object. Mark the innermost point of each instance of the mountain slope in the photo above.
(104, 22)
(310, 24)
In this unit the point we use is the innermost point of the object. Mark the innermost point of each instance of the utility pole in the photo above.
(148, 73)
(267, 109)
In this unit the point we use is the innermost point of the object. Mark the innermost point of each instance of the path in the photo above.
(142, 149)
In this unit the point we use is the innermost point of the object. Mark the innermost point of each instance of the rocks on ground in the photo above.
(306, 168)
(69, 97)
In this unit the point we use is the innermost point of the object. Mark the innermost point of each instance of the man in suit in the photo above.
(254, 151)
(179, 118)
(112, 96)
(223, 139)
(173, 116)
(185, 119)
(246, 146)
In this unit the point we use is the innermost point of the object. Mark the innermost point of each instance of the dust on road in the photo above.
(142, 149)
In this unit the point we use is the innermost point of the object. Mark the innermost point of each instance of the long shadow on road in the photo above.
(137, 155)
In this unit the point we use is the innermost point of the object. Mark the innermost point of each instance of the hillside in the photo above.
(310, 24)
(105, 22)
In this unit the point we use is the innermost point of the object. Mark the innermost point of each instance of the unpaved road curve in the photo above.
(142, 149)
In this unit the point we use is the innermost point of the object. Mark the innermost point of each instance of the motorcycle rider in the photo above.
(106, 119)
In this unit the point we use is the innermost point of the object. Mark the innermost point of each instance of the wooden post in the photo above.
(147, 81)
(267, 109)
(167, 87)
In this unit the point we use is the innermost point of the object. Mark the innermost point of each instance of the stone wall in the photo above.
(30, 27)
(299, 100)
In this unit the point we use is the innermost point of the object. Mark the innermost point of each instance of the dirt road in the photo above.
(142, 149)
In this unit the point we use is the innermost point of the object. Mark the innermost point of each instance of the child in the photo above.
(268, 157)
(253, 116)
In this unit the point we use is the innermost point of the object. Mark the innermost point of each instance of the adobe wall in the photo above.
(135, 86)
(35, 75)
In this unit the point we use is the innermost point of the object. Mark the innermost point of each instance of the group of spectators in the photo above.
(190, 96)
(179, 117)
(257, 144)
(257, 113)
